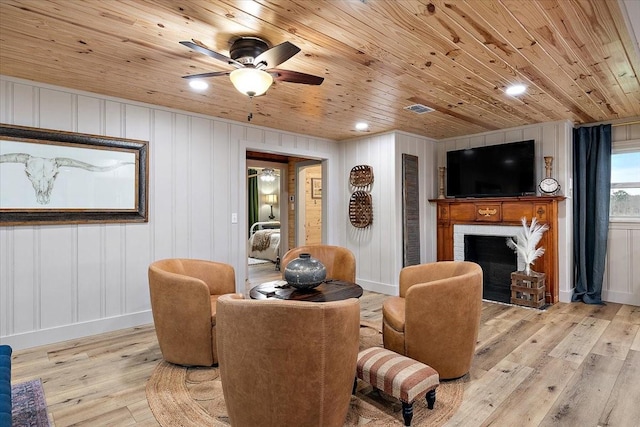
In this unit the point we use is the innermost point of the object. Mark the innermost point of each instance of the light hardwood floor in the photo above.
(569, 365)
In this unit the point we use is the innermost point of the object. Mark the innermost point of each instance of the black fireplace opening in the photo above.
(497, 262)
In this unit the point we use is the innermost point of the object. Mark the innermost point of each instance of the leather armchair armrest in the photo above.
(181, 308)
(219, 277)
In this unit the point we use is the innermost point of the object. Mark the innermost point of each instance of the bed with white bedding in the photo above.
(264, 242)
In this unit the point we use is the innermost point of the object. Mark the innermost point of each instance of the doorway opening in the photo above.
(292, 201)
(309, 212)
(264, 219)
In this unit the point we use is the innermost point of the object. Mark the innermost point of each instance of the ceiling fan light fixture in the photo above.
(251, 81)
(268, 175)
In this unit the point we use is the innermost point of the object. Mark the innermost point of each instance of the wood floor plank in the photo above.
(70, 392)
(116, 417)
(577, 345)
(141, 412)
(606, 311)
(71, 381)
(486, 394)
(636, 342)
(585, 396)
(491, 330)
(540, 390)
(491, 311)
(623, 406)
(630, 313)
(150, 422)
(616, 340)
(516, 313)
(538, 345)
(498, 348)
(102, 403)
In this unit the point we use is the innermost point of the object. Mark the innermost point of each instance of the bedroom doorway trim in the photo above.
(239, 253)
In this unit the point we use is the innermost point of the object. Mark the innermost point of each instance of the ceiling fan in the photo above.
(254, 62)
(266, 174)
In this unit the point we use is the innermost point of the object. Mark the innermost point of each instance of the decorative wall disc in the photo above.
(361, 176)
(360, 209)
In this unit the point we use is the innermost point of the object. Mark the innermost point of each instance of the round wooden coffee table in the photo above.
(332, 290)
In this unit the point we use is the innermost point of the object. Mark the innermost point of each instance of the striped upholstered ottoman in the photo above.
(398, 376)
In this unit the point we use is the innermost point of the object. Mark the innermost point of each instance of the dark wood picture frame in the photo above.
(33, 147)
(316, 188)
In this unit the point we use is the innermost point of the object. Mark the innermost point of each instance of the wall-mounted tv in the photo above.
(503, 170)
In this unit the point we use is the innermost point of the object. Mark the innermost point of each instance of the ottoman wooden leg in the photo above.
(407, 413)
(355, 386)
(431, 398)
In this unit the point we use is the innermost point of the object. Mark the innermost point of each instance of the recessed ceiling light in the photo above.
(362, 126)
(198, 84)
(516, 90)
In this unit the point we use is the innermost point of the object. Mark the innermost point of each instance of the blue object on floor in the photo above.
(5, 385)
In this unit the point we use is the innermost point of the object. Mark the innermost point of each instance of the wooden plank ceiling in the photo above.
(377, 57)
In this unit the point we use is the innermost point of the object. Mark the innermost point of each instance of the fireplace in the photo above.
(497, 262)
(486, 245)
(500, 216)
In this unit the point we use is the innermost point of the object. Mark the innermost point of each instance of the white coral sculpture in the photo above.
(525, 242)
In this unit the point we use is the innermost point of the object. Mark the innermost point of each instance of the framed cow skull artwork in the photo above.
(53, 177)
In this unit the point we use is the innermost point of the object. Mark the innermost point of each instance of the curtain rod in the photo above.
(624, 124)
(613, 125)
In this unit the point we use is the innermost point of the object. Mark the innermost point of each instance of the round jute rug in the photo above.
(180, 396)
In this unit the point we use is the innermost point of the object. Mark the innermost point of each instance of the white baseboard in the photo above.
(382, 288)
(76, 330)
(607, 296)
(621, 297)
(565, 296)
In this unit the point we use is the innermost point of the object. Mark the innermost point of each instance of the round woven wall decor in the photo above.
(361, 176)
(360, 209)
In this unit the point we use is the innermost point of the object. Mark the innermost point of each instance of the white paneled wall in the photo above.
(425, 150)
(622, 271)
(378, 248)
(60, 282)
(551, 139)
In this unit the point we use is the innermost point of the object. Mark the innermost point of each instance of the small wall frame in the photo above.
(316, 188)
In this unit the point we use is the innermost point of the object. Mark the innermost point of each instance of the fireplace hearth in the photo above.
(497, 262)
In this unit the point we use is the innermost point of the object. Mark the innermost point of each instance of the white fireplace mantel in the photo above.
(461, 230)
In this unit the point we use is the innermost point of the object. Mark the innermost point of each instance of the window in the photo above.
(625, 184)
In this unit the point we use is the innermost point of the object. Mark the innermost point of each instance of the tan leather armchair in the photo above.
(436, 318)
(183, 302)
(287, 363)
(340, 262)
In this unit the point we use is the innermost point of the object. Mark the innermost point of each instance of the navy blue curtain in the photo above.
(252, 202)
(591, 195)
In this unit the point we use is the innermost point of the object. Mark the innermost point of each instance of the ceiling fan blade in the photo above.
(205, 75)
(276, 55)
(295, 77)
(201, 48)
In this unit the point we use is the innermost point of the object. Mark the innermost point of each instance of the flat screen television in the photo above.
(503, 170)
